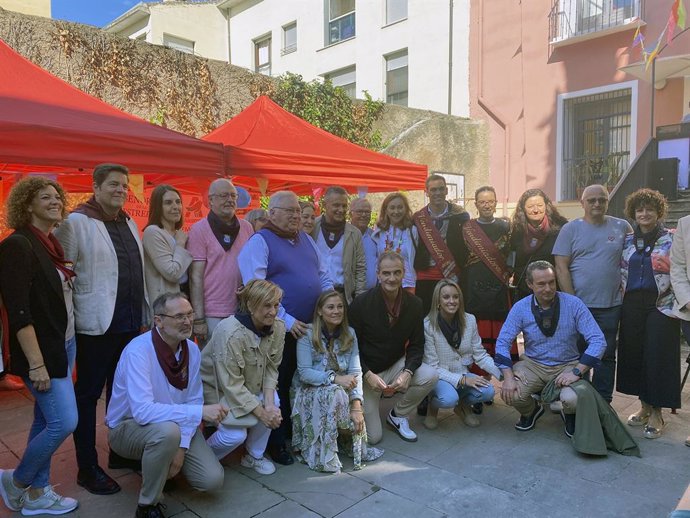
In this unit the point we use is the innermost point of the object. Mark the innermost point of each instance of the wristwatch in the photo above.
(577, 372)
(331, 377)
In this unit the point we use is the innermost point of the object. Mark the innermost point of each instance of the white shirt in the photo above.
(333, 258)
(142, 392)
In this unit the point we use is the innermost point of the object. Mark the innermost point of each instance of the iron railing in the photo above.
(570, 18)
(634, 178)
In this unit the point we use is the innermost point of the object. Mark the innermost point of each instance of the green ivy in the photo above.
(329, 108)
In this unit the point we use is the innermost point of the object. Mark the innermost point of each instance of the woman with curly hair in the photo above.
(327, 406)
(36, 286)
(165, 258)
(534, 228)
(395, 230)
(649, 337)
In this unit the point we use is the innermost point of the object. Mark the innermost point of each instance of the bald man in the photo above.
(215, 243)
(587, 254)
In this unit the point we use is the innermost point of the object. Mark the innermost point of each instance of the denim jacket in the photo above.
(311, 365)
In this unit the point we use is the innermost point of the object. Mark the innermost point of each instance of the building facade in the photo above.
(568, 100)
(32, 7)
(409, 52)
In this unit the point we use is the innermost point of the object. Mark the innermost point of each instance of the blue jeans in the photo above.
(55, 418)
(604, 376)
(446, 395)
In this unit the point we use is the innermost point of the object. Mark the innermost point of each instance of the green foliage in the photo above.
(329, 108)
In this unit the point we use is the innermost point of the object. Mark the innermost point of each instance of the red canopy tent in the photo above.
(269, 145)
(47, 125)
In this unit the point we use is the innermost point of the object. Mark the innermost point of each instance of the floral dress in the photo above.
(321, 424)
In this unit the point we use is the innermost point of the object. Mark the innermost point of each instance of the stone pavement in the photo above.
(453, 471)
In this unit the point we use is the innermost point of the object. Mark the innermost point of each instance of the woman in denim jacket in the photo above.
(649, 337)
(328, 390)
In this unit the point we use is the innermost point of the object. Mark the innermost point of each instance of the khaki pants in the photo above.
(533, 378)
(422, 382)
(156, 444)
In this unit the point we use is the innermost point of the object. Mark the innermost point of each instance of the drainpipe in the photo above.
(450, 56)
(492, 112)
(227, 11)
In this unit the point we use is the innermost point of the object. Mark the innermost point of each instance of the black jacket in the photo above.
(380, 345)
(32, 293)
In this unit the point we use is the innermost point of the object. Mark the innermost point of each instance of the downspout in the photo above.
(497, 116)
(227, 11)
(450, 56)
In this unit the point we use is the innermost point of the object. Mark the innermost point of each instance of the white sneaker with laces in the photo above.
(262, 466)
(48, 503)
(11, 494)
(402, 426)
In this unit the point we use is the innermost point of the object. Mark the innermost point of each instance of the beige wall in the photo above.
(516, 78)
(34, 7)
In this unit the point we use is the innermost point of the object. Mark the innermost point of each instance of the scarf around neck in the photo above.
(246, 320)
(225, 232)
(452, 331)
(547, 319)
(285, 234)
(534, 237)
(332, 232)
(55, 251)
(92, 209)
(176, 372)
(644, 242)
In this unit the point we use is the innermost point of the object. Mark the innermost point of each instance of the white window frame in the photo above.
(329, 20)
(385, 13)
(393, 55)
(342, 72)
(285, 48)
(179, 45)
(255, 53)
(560, 114)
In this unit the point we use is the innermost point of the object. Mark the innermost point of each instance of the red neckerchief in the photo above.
(281, 233)
(93, 209)
(55, 251)
(393, 309)
(534, 237)
(177, 372)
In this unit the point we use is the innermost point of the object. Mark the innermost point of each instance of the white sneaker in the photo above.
(48, 503)
(402, 426)
(262, 466)
(11, 494)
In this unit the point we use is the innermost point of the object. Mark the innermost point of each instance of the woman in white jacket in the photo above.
(452, 345)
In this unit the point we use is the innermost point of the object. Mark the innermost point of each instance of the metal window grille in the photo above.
(596, 141)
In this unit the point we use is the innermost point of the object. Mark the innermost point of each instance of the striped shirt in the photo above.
(574, 320)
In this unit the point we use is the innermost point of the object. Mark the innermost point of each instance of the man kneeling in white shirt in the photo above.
(158, 404)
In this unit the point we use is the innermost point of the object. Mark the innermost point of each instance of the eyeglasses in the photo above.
(224, 196)
(291, 211)
(600, 201)
(180, 317)
(362, 212)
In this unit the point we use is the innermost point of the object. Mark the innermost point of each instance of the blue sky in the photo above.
(92, 12)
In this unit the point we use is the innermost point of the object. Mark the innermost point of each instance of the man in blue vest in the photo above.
(282, 254)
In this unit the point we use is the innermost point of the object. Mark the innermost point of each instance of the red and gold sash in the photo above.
(438, 250)
(485, 249)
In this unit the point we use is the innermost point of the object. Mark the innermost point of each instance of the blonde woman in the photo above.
(327, 406)
(240, 365)
(452, 345)
(395, 231)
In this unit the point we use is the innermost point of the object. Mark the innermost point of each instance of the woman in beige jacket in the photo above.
(165, 259)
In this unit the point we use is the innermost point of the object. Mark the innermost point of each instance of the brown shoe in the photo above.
(464, 412)
(431, 419)
(641, 417)
(97, 481)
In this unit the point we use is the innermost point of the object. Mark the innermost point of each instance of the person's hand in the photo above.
(402, 382)
(298, 329)
(565, 378)
(476, 382)
(375, 382)
(181, 238)
(40, 378)
(347, 381)
(270, 416)
(214, 413)
(357, 417)
(510, 390)
(200, 330)
(176, 464)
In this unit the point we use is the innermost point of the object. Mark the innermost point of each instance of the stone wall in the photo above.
(195, 95)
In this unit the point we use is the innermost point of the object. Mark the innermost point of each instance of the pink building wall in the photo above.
(516, 77)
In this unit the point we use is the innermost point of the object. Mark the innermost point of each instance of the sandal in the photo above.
(654, 433)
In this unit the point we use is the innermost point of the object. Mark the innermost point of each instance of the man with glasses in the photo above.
(215, 243)
(360, 217)
(340, 245)
(587, 255)
(437, 252)
(281, 253)
(158, 404)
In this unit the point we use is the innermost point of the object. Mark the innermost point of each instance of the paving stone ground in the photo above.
(453, 471)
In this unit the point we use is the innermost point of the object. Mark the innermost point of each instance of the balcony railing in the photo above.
(573, 18)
